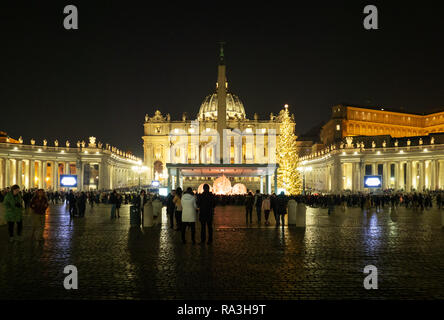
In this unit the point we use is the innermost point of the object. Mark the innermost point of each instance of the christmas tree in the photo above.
(289, 178)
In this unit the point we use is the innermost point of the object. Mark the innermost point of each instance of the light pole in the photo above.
(303, 170)
(139, 169)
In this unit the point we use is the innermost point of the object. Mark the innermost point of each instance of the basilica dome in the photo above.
(208, 108)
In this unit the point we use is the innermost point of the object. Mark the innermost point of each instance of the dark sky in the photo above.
(128, 59)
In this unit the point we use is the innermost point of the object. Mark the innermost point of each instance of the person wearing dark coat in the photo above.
(71, 199)
(140, 201)
(113, 201)
(81, 204)
(281, 201)
(273, 205)
(249, 202)
(258, 205)
(206, 204)
(170, 207)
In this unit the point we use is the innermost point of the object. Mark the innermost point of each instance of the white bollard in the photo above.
(292, 211)
(301, 215)
(148, 214)
(157, 211)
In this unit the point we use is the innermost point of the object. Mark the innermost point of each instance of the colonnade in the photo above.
(31, 173)
(398, 174)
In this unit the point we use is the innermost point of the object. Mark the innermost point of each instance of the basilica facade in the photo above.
(201, 138)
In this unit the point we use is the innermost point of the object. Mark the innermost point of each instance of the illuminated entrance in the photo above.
(221, 172)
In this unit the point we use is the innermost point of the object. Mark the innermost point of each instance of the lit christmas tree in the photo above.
(289, 178)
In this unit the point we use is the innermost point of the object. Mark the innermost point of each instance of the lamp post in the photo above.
(303, 170)
(139, 169)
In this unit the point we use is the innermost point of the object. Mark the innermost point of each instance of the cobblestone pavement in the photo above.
(324, 261)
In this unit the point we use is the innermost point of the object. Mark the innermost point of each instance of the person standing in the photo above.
(81, 203)
(14, 212)
(281, 208)
(249, 201)
(206, 203)
(170, 208)
(118, 204)
(140, 201)
(113, 202)
(258, 205)
(266, 205)
(71, 199)
(39, 204)
(189, 207)
(178, 208)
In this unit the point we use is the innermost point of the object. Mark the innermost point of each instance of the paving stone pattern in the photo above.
(324, 261)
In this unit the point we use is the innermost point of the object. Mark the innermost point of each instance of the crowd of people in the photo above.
(184, 209)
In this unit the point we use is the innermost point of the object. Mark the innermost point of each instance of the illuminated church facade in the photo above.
(199, 147)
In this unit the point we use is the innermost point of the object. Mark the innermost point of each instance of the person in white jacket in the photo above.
(189, 214)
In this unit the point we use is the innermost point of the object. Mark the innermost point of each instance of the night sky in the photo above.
(128, 59)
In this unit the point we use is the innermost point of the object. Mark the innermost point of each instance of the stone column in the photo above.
(421, 175)
(19, 167)
(385, 175)
(3, 173)
(55, 175)
(359, 175)
(66, 168)
(79, 175)
(102, 176)
(267, 184)
(374, 168)
(408, 183)
(261, 184)
(397, 175)
(169, 180)
(275, 181)
(31, 174)
(41, 174)
(339, 176)
(7, 172)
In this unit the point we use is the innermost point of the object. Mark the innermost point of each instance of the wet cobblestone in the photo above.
(324, 261)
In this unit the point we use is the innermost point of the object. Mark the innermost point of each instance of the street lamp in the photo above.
(139, 169)
(303, 170)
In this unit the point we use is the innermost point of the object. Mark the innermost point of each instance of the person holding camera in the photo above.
(14, 212)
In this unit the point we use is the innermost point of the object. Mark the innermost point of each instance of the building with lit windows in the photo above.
(198, 135)
(40, 166)
(406, 150)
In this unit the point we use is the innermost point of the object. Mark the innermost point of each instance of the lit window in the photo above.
(249, 130)
(338, 127)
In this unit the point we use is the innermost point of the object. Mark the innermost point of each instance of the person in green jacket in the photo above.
(14, 212)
